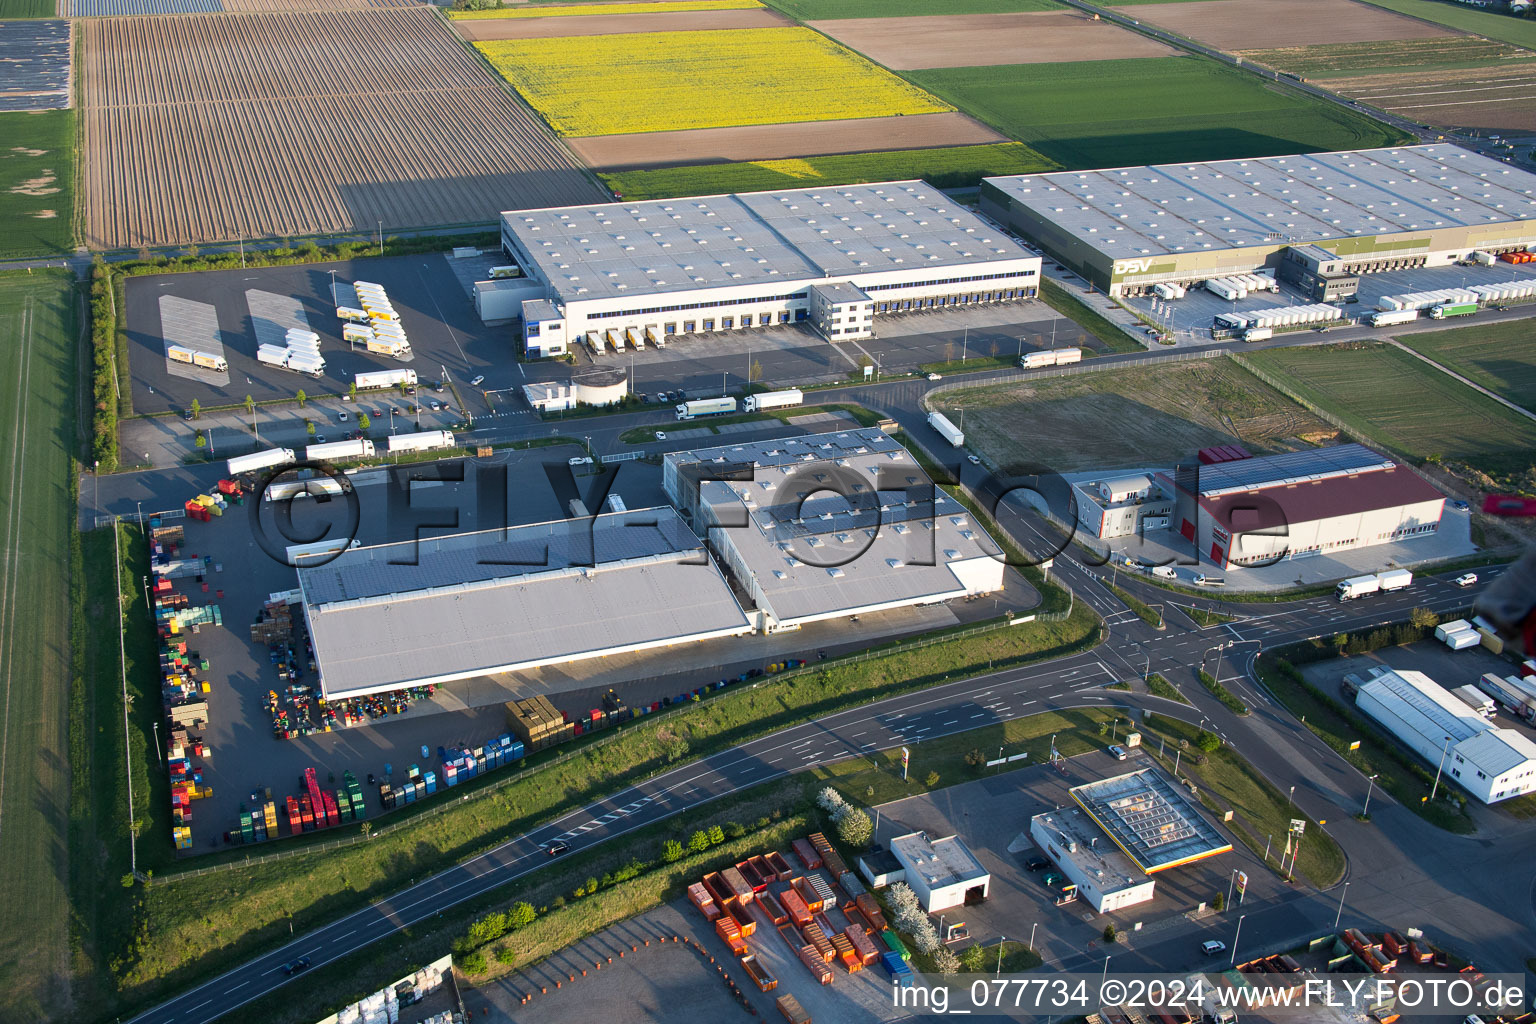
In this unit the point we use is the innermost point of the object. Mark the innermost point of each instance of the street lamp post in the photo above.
(1231, 881)
(1370, 781)
(1237, 935)
(1032, 936)
(1002, 940)
(1290, 802)
(1438, 768)
(1103, 975)
(1340, 912)
(140, 504)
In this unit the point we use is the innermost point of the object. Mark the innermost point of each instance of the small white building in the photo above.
(598, 386)
(1104, 876)
(1123, 506)
(943, 872)
(1490, 762)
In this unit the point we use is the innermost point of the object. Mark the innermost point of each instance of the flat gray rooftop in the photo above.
(1113, 871)
(465, 605)
(1127, 212)
(1340, 460)
(1151, 819)
(792, 235)
(845, 522)
(941, 862)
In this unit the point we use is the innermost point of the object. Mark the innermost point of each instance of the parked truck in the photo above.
(951, 433)
(1357, 586)
(1394, 579)
(1393, 317)
(272, 355)
(1258, 334)
(773, 400)
(1514, 699)
(385, 379)
(1475, 699)
(1050, 357)
(362, 448)
(261, 460)
(706, 407)
(1450, 309)
(425, 441)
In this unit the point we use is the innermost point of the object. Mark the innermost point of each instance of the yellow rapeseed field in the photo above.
(666, 81)
(656, 7)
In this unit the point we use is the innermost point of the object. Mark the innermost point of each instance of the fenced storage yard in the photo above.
(207, 128)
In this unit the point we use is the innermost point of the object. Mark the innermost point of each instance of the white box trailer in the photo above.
(1357, 586)
(1456, 626)
(261, 460)
(425, 441)
(361, 448)
(594, 343)
(1067, 356)
(1392, 317)
(283, 490)
(314, 366)
(387, 346)
(1258, 334)
(352, 316)
(774, 400)
(209, 361)
(1463, 639)
(1475, 699)
(385, 379)
(1394, 579)
(354, 333)
(634, 337)
(271, 355)
(951, 433)
(706, 407)
(654, 337)
(179, 354)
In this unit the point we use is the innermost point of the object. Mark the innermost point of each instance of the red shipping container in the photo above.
(871, 911)
(741, 913)
(862, 943)
(813, 903)
(753, 877)
(766, 873)
(717, 888)
(815, 964)
(701, 899)
(779, 865)
(772, 907)
(807, 854)
(737, 884)
(795, 906)
(295, 820)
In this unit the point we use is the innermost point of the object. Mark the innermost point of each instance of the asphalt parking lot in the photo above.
(438, 318)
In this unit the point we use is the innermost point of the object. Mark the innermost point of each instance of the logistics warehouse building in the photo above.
(837, 257)
(446, 608)
(1313, 502)
(827, 525)
(1491, 763)
(1128, 228)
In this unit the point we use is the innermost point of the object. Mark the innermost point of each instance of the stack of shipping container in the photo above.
(536, 722)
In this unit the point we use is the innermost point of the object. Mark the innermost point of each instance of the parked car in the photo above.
(342, 416)
(1460, 506)
(1051, 879)
(1118, 752)
(935, 376)
(436, 405)
(580, 460)
(556, 848)
(1466, 579)
(319, 439)
(480, 379)
(1212, 947)
(295, 966)
(661, 397)
(661, 435)
(1036, 863)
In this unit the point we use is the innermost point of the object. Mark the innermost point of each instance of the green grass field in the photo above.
(953, 167)
(1159, 413)
(38, 339)
(14, 9)
(1340, 59)
(1387, 395)
(37, 182)
(1497, 356)
(1520, 31)
(1081, 114)
(827, 10)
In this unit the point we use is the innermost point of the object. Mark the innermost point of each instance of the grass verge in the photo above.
(1089, 319)
(1145, 612)
(1202, 617)
(1227, 697)
(970, 364)
(1160, 687)
(647, 433)
(1340, 727)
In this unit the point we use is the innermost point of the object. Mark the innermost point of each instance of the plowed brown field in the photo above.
(1501, 98)
(205, 128)
(776, 141)
(1251, 24)
(981, 40)
(487, 29)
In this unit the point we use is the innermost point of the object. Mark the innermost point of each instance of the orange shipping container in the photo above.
(737, 884)
(741, 913)
(862, 943)
(716, 887)
(780, 866)
(727, 928)
(792, 1011)
(814, 963)
(772, 907)
(813, 902)
(871, 911)
(795, 906)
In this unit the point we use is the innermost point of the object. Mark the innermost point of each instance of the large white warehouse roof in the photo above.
(1129, 212)
(791, 235)
(470, 604)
